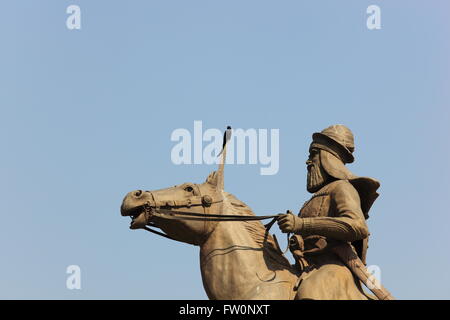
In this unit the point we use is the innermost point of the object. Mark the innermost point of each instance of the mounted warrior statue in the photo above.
(331, 233)
(239, 259)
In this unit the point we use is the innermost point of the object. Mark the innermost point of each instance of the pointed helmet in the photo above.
(336, 139)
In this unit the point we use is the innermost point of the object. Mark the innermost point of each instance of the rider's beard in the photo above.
(317, 178)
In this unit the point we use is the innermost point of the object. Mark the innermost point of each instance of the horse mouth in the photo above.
(137, 216)
(130, 211)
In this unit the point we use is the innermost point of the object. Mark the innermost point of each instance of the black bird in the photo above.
(226, 138)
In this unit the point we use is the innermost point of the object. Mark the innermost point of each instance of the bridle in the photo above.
(165, 210)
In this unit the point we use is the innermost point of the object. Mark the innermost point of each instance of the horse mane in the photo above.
(255, 229)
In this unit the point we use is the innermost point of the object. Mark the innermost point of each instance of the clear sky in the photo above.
(86, 116)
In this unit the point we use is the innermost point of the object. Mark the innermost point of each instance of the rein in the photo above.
(184, 215)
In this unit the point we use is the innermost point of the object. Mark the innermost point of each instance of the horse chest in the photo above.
(231, 264)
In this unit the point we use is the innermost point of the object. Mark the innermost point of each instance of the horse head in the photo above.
(143, 207)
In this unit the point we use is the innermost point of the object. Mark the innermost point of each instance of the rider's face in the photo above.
(316, 176)
(313, 158)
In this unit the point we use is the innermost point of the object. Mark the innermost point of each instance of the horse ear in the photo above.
(216, 178)
(212, 178)
(223, 157)
(219, 177)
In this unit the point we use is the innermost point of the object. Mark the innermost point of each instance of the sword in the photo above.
(347, 254)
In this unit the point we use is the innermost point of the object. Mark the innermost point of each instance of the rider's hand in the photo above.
(289, 223)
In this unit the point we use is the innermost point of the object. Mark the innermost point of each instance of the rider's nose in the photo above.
(138, 193)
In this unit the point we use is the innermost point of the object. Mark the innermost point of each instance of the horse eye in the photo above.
(189, 189)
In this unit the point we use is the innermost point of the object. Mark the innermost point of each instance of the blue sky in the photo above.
(86, 116)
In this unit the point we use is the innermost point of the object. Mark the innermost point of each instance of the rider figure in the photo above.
(336, 213)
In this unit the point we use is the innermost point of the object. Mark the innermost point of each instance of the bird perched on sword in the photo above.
(226, 138)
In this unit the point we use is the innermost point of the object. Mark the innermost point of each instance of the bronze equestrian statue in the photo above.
(239, 259)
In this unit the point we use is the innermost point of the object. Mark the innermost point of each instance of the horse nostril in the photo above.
(138, 193)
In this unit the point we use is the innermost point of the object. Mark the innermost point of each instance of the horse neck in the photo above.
(234, 265)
